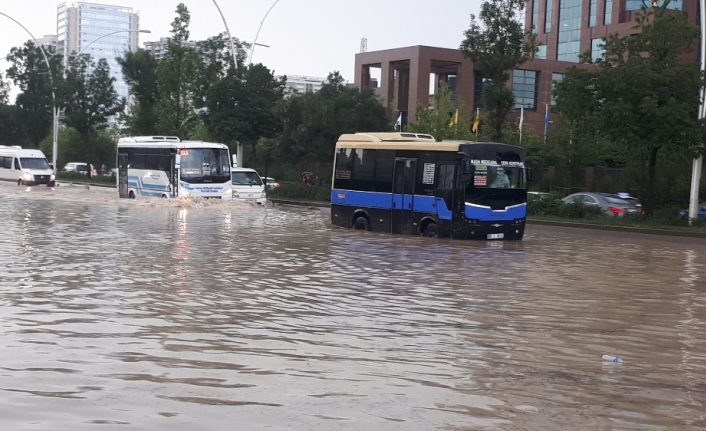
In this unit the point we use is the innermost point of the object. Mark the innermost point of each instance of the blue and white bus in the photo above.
(165, 167)
(410, 184)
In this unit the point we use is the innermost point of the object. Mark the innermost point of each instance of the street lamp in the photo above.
(252, 50)
(232, 45)
(55, 109)
(698, 162)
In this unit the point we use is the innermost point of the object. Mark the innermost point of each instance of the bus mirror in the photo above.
(466, 167)
(235, 160)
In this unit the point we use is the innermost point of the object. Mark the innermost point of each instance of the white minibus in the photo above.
(25, 167)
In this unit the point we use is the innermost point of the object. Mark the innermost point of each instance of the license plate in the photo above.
(496, 235)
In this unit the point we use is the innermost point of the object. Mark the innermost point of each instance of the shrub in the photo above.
(298, 191)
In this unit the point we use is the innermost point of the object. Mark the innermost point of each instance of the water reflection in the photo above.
(158, 316)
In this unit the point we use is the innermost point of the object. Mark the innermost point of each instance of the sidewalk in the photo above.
(567, 224)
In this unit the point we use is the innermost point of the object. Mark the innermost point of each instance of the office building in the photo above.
(564, 30)
(103, 31)
(49, 40)
(303, 84)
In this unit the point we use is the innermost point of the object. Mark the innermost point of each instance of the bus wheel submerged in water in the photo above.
(431, 230)
(361, 223)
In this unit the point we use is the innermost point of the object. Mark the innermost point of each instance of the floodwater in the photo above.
(166, 315)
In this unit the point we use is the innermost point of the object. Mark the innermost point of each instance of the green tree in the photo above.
(497, 44)
(4, 91)
(90, 100)
(441, 120)
(644, 93)
(71, 147)
(243, 110)
(177, 74)
(313, 122)
(28, 71)
(140, 73)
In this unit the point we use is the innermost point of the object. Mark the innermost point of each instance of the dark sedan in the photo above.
(612, 205)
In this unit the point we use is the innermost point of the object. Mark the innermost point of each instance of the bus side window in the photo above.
(384, 166)
(344, 167)
(445, 183)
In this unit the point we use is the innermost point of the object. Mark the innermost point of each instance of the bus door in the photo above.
(403, 195)
(122, 175)
(173, 175)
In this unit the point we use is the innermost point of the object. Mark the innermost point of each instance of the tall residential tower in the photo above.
(80, 24)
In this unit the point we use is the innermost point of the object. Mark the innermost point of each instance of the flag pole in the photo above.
(522, 118)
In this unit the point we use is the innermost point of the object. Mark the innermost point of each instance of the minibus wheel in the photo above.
(131, 195)
(20, 182)
(431, 231)
(361, 223)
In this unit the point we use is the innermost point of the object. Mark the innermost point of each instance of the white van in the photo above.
(25, 167)
(247, 185)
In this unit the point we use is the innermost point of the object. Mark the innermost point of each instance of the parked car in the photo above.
(247, 185)
(271, 182)
(79, 167)
(111, 172)
(701, 213)
(612, 205)
(627, 197)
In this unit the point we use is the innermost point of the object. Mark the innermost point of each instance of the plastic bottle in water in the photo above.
(613, 359)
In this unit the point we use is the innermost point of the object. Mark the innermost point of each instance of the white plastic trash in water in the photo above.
(614, 359)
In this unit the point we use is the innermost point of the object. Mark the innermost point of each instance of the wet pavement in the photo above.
(169, 315)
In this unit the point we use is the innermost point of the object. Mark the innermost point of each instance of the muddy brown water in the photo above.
(165, 315)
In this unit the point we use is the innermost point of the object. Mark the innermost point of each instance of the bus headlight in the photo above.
(234, 193)
(52, 177)
(27, 176)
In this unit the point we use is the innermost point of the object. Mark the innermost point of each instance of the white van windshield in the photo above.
(246, 179)
(34, 163)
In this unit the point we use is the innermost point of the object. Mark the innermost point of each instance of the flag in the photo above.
(454, 119)
(547, 121)
(398, 123)
(522, 116)
(476, 123)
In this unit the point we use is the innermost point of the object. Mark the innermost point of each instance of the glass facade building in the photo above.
(637, 4)
(597, 49)
(102, 31)
(568, 48)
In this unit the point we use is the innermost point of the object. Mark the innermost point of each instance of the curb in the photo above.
(574, 225)
(624, 229)
(69, 183)
(300, 203)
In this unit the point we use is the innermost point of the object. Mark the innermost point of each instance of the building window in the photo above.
(541, 52)
(637, 4)
(569, 30)
(556, 77)
(592, 13)
(535, 15)
(597, 49)
(608, 17)
(548, 16)
(524, 88)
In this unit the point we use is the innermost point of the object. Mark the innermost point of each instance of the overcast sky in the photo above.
(306, 37)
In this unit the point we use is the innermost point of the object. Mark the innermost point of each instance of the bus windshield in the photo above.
(498, 177)
(205, 165)
(34, 163)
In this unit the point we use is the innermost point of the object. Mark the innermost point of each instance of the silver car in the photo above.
(612, 205)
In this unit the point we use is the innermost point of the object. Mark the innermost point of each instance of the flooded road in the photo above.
(165, 315)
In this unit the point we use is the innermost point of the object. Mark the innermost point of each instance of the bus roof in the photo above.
(394, 141)
(132, 142)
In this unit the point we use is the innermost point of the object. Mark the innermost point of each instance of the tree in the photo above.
(4, 91)
(140, 73)
(243, 110)
(91, 100)
(496, 44)
(313, 122)
(28, 71)
(644, 93)
(176, 74)
(441, 120)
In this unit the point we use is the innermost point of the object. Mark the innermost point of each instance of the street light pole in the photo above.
(55, 109)
(698, 162)
(252, 50)
(230, 38)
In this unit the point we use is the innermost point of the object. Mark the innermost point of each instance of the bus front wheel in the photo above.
(361, 223)
(431, 231)
(131, 195)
